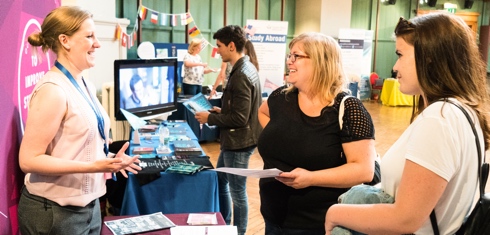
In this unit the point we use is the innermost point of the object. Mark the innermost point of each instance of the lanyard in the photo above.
(100, 119)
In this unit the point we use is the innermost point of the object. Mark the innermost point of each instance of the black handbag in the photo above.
(479, 220)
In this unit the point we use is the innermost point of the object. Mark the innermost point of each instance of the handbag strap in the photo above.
(341, 110)
(481, 178)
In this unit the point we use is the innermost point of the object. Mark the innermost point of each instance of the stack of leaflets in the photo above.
(186, 147)
(198, 103)
(202, 219)
(151, 165)
(139, 224)
(184, 168)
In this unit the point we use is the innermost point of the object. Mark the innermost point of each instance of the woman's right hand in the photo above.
(211, 94)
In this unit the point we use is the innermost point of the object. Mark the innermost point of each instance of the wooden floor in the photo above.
(389, 123)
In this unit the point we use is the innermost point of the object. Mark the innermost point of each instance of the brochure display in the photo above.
(139, 224)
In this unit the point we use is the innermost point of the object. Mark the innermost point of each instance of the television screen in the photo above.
(145, 88)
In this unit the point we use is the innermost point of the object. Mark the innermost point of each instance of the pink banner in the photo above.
(20, 71)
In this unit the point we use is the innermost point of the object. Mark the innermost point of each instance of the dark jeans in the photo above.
(274, 229)
(191, 89)
(38, 215)
(234, 186)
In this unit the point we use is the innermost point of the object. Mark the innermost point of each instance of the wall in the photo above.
(208, 16)
(384, 57)
(104, 15)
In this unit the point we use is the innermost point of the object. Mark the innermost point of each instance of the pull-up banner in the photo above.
(21, 70)
(269, 40)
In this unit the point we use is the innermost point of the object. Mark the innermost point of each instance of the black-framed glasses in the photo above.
(404, 26)
(294, 57)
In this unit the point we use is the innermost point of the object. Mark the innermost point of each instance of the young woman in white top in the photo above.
(433, 165)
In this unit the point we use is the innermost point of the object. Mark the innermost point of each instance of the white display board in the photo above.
(356, 47)
(269, 40)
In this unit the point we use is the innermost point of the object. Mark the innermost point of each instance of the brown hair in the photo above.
(62, 20)
(448, 63)
(249, 46)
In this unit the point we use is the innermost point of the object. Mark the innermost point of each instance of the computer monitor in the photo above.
(145, 88)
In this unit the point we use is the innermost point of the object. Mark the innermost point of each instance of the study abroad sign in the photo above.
(269, 40)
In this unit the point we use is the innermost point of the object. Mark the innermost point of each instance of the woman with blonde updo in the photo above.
(64, 150)
(194, 69)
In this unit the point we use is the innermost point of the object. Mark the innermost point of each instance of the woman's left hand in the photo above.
(298, 178)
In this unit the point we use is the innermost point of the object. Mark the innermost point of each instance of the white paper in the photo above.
(137, 224)
(250, 172)
(135, 121)
(204, 230)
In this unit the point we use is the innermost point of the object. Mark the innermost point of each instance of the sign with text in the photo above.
(22, 67)
(269, 40)
(356, 45)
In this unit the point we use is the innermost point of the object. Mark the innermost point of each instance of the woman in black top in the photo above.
(302, 138)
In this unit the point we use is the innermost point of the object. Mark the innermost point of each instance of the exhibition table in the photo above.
(178, 219)
(392, 96)
(169, 192)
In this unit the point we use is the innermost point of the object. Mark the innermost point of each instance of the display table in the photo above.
(170, 192)
(392, 96)
(203, 132)
(178, 219)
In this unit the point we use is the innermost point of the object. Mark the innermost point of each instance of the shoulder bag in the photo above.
(479, 220)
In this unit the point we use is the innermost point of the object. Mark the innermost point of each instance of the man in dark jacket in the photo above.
(238, 123)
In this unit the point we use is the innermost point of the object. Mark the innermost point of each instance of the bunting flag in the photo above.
(163, 19)
(250, 29)
(129, 40)
(188, 17)
(183, 19)
(204, 44)
(154, 17)
(214, 53)
(174, 20)
(123, 39)
(117, 35)
(143, 12)
(269, 84)
(194, 31)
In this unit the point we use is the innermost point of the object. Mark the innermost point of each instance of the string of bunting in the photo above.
(127, 39)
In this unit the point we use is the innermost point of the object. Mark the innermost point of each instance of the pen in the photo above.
(206, 230)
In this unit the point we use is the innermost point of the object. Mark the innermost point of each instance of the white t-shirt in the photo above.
(441, 140)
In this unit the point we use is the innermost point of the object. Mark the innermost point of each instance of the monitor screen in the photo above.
(145, 88)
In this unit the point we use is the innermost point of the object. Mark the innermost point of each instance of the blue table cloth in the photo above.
(172, 193)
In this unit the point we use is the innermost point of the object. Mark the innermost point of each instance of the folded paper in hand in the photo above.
(198, 103)
(266, 173)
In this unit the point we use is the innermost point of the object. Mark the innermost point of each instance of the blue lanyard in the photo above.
(100, 119)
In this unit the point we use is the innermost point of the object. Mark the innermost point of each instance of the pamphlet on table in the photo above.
(139, 224)
(204, 230)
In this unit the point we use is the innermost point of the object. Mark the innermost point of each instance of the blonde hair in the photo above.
(328, 76)
(195, 43)
(62, 20)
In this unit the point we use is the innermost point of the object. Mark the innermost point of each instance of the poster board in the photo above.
(269, 40)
